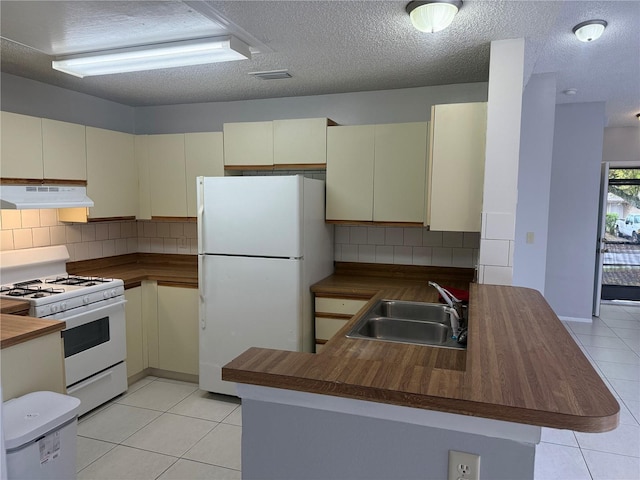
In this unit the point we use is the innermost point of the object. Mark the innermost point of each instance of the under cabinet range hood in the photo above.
(21, 197)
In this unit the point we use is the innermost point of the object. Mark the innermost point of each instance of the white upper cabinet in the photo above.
(248, 144)
(204, 156)
(456, 161)
(21, 149)
(399, 173)
(377, 172)
(112, 174)
(350, 167)
(167, 175)
(64, 150)
(300, 141)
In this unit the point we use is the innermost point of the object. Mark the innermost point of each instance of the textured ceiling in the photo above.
(328, 47)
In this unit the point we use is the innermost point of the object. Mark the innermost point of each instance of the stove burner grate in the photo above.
(77, 281)
(30, 292)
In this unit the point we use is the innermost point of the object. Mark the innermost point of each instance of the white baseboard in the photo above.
(576, 319)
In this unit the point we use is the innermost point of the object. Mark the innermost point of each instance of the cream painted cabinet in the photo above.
(168, 184)
(178, 329)
(377, 172)
(112, 175)
(21, 149)
(300, 141)
(399, 173)
(456, 166)
(33, 366)
(204, 156)
(64, 150)
(136, 361)
(141, 155)
(248, 144)
(331, 314)
(350, 167)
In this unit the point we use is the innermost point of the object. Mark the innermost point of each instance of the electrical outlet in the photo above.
(463, 466)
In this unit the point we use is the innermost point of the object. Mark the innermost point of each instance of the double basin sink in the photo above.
(407, 322)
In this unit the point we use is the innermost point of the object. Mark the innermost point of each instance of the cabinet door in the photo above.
(112, 175)
(178, 329)
(350, 159)
(457, 166)
(400, 172)
(33, 366)
(167, 175)
(21, 149)
(141, 149)
(204, 154)
(301, 141)
(248, 144)
(64, 150)
(135, 339)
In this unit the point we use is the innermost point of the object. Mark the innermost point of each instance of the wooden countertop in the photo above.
(15, 329)
(521, 365)
(16, 307)
(166, 269)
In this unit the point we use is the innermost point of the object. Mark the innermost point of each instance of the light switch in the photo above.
(529, 237)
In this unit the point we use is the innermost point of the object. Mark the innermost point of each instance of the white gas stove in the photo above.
(93, 309)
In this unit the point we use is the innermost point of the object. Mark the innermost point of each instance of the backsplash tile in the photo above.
(406, 246)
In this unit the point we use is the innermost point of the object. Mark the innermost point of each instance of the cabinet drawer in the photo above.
(339, 305)
(328, 327)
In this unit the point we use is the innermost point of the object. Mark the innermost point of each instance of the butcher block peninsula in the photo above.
(377, 409)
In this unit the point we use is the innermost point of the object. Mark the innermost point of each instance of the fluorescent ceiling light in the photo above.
(151, 57)
(589, 31)
(433, 16)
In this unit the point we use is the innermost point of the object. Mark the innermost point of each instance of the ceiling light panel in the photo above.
(153, 57)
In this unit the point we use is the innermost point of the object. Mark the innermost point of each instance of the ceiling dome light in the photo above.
(433, 16)
(589, 31)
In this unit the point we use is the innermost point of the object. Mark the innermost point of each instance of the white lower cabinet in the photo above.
(136, 361)
(33, 366)
(331, 314)
(178, 329)
(162, 328)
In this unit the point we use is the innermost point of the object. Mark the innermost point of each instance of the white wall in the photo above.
(534, 181)
(622, 144)
(354, 108)
(28, 97)
(573, 212)
(501, 162)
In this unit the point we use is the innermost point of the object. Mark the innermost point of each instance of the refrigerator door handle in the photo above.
(201, 292)
(200, 213)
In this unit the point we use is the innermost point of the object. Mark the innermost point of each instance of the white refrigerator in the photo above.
(262, 242)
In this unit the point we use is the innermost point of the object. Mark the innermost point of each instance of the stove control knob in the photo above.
(85, 299)
(55, 308)
(113, 292)
(105, 294)
(63, 306)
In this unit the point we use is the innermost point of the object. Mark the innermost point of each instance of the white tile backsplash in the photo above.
(413, 237)
(406, 246)
(375, 236)
(394, 236)
(94, 240)
(494, 275)
(358, 235)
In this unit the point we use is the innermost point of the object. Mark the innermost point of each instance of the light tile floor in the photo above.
(612, 345)
(163, 429)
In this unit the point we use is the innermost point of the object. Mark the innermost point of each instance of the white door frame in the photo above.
(601, 246)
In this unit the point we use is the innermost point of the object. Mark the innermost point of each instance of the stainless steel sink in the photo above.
(407, 322)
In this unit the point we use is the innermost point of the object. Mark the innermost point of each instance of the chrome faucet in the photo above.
(457, 315)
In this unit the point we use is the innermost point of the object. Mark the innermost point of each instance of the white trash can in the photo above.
(40, 436)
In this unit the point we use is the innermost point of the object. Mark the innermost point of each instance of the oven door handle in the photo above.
(95, 379)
